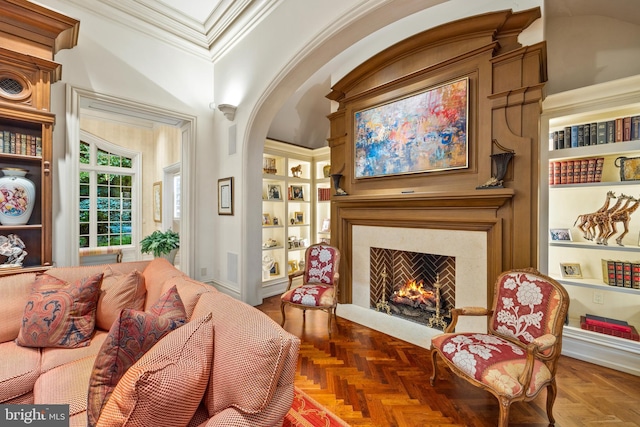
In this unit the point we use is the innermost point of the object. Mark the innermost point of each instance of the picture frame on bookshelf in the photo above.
(275, 270)
(297, 192)
(299, 217)
(293, 266)
(560, 234)
(274, 192)
(570, 270)
(269, 166)
(266, 219)
(326, 225)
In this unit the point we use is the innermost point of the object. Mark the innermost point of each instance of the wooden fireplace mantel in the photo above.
(506, 89)
(486, 198)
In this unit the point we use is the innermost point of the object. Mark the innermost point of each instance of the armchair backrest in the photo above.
(527, 305)
(321, 264)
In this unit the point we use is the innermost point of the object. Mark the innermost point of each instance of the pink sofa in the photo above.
(250, 372)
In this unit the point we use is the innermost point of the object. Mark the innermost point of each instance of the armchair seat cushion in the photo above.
(312, 295)
(492, 361)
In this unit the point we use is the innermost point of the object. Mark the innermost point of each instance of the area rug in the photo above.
(306, 412)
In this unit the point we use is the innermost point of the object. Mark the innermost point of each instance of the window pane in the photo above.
(103, 228)
(116, 179)
(114, 191)
(84, 242)
(126, 181)
(85, 153)
(126, 239)
(103, 191)
(103, 178)
(103, 158)
(84, 190)
(114, 161)
(114, 216)
(115, 240)
(126, 203)
(84, 216)
(84, 228)
(84, 177)
(127, 162)
(126, 215)
(103, 240)
(84, 203)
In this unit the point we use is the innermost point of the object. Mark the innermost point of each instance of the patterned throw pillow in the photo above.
(59, 314)
(164, 387)
(130, 337)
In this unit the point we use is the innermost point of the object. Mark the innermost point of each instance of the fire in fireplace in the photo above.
(416, 286)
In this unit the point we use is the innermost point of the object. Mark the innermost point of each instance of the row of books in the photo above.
(324, 194)
(605, 132)
(623, 274)
(613, 327)
(576, 171)
(20, 143)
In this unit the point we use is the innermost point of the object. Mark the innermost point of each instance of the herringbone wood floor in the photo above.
(371, 379)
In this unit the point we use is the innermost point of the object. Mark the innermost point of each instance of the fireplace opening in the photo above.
(416, 286)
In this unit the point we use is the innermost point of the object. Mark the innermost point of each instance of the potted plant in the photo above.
(161, 244)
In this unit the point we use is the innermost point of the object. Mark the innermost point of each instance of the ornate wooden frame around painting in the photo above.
(424, 132)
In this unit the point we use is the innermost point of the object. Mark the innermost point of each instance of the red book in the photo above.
(563, 172)
(584, 170)
(551, 175)
(632, 335)
(626, 274)
(556, 173)
(635, 275)
(591, 170)
(570, 172)
(619, 273)
(606, 322)
(599, 165)
(626, 129)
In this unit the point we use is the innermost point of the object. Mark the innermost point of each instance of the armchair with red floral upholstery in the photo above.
(319, 288)
(518, 355)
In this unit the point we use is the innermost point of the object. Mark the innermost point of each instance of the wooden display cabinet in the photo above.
(30, 37)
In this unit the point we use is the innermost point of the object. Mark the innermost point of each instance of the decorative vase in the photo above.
(171, 256)
(17, 197)
(326, 171)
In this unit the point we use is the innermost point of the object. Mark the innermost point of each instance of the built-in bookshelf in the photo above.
(575, 246)
(293, 214)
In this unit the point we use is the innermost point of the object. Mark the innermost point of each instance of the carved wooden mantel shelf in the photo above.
(488, 198)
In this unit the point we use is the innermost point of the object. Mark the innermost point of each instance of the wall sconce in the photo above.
(228, 110)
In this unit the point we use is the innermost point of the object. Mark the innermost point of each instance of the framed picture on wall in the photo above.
(425, 132)
(157, 201)
(225, 196)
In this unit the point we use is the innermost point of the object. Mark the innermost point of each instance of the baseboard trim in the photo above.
(603, 350)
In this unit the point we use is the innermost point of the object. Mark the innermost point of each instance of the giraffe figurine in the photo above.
(601, 219)
(587, 223)
(623, 216)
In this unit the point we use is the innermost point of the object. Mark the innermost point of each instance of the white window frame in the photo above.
(95, 143)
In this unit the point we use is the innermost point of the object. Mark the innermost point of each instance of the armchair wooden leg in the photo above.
(434, 354)
(552, 390)
(503, 421)
(329, 321)
(283, 315)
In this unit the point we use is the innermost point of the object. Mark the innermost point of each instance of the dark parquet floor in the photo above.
(371, 379)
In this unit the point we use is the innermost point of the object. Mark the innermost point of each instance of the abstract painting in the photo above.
(424, 132)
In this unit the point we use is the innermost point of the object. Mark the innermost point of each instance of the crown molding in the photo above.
(210, 38)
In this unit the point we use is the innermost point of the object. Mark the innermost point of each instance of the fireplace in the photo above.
(416, 286)
(459, 257)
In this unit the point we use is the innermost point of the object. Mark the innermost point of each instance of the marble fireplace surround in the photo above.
(470, 229)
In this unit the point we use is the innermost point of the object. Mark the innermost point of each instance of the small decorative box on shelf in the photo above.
(611, 327)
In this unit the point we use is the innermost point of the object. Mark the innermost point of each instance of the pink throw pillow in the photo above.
(59, 314)
(164, 387)
(119, 290)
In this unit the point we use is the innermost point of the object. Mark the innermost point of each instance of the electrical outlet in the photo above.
(598, 297)
(203, 271)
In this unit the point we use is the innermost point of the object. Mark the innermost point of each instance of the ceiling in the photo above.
(210, 28)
